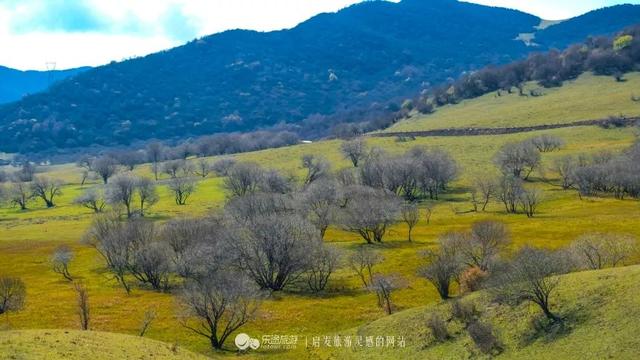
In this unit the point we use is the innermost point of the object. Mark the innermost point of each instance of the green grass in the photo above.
(600, 308)
(81, 345)
(28, 238)
(586, 98)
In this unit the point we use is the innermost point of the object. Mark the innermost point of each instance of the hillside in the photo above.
(600, 306)
(15, 84)
(333, 64)
(80, 345)
(587, 98)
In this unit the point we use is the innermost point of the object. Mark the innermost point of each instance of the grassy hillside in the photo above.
(586, 98)
(80, 345)
(600, 307)
(28, 238)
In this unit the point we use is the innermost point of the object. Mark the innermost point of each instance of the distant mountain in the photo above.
(14, 84)
(370, 53)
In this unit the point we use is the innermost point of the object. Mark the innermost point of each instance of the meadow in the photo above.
(28, 238)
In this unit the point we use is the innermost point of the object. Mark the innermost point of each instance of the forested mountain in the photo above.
(14, 84)
(358, 61)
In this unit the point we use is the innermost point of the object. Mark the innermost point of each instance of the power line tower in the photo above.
(51, 68)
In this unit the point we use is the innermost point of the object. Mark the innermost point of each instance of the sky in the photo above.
(42, 34)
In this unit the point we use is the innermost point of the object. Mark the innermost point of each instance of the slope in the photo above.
(14, 84)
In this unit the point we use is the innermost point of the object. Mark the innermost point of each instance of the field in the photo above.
(27, 238)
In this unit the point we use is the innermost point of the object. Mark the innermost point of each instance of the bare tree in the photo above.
(518, 159)
(531, 276)
(566, 167)
(129, 159)
(218, 306)
(443, 265)
(121, 190)
(362, 261)
(411, 216)
(529, 201)
(149, 316)
(317, 168)
(155, 154)
(26, 172)
(60, 260)
(223, 166)
(182, 189)
(383, 286)
(243, 179)
(46, 189)
(547, 143)
(202, 168)
(92, 199)
(324, 261)
(354, 150)
(12, 294)
(597, 251)
(147, 194)
(509, 193)
(82, 296)
(105, 166)
(176, 168)
(321, 199)
(369, 212)
(19, 194)
(273, 249)
(484, 188)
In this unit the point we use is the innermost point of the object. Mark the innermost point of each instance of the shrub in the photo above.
(463, 311)
(484, 338)
(438, 328)
(472, 279)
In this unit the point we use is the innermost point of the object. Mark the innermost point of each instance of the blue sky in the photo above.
(92, 32)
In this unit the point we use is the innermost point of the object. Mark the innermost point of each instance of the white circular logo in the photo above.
(244, 342)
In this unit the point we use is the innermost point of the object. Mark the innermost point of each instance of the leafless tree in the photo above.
(369, 212)
(129, 159)
(223, 166)
(177, 168)
(92, 199)
(147, 194)
(274, 182)
(443, 265)
(12, 294)
(321, 200)
(383, 286)
(202, 168)
(182, 188)
(354, 150)
(484, 188)
(273, 249)
(411, 216)
(600, 250)
(547, 143)
(566, 167)
(437, 170)
(121, 190)
(155, 154)
(347, 177)
(19, 194)
(46, 189)
(531, 276)
(518, 159)
(105, 166)
(362, 261)
(509, 193)
(219, 305)
(530, 200)
(149, 316)
(82, 297)
(317, 168)
(324, 261)
(26, 172)
(60, 260)
(243, 179)
(483, 245)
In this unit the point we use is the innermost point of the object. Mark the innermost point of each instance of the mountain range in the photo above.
(15, 84)
(367, 56)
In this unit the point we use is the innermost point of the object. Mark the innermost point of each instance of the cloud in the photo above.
(58, 16)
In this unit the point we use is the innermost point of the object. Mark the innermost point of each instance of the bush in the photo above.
(438, 328)
(472, 279)
(484, 338)
(463, 311)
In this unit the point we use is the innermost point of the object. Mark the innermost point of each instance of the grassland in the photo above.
(587, 98)
(81, 345)
(27, 238)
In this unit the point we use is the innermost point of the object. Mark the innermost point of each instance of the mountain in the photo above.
(362, 57)
(14, 84)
